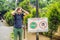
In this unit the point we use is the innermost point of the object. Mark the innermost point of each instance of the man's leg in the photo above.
(15, 33)
(20, 30)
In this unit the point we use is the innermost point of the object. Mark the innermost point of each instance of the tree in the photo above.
(25, 5)
(1, 4)
(53, 15)
(9, 18)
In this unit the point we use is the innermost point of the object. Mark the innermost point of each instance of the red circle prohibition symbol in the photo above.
(43, 24)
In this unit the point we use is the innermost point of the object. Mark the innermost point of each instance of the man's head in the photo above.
(18, 10)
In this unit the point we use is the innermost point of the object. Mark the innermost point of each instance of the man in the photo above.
(18, 18)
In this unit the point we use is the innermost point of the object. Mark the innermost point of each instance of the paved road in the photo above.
(5, 31)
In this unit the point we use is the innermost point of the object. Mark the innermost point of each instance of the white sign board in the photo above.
(37, 25)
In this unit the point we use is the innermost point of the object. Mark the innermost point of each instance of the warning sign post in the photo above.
(37, 25)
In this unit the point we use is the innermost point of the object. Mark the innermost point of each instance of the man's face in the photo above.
(19, 11)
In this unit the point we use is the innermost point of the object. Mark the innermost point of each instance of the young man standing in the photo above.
(18, 18)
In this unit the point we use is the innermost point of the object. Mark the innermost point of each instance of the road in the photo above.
(5, 31)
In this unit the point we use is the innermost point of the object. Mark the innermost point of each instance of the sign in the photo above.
(37, 25)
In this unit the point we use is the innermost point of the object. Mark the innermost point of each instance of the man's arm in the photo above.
(25, 12)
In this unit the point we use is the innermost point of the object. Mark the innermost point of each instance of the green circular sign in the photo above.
(33, 25)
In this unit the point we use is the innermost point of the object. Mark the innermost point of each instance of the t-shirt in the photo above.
(18, 18)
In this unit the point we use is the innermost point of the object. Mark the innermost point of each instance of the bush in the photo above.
(33, 12)
(12, 36)
(26, 18)
(53, 15)
(9, 18)
(25, 5)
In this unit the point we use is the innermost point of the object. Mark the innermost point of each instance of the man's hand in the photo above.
(13, 13)
(25, 12)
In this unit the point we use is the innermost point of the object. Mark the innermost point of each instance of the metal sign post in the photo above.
(37, 34)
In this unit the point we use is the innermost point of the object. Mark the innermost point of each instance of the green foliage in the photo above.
(33, 12)
(25, 5)
(53, 15)
(12, 36)
(6, 5)
(1, 4)
(32, 1)
(9, 18)
(26, 18)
